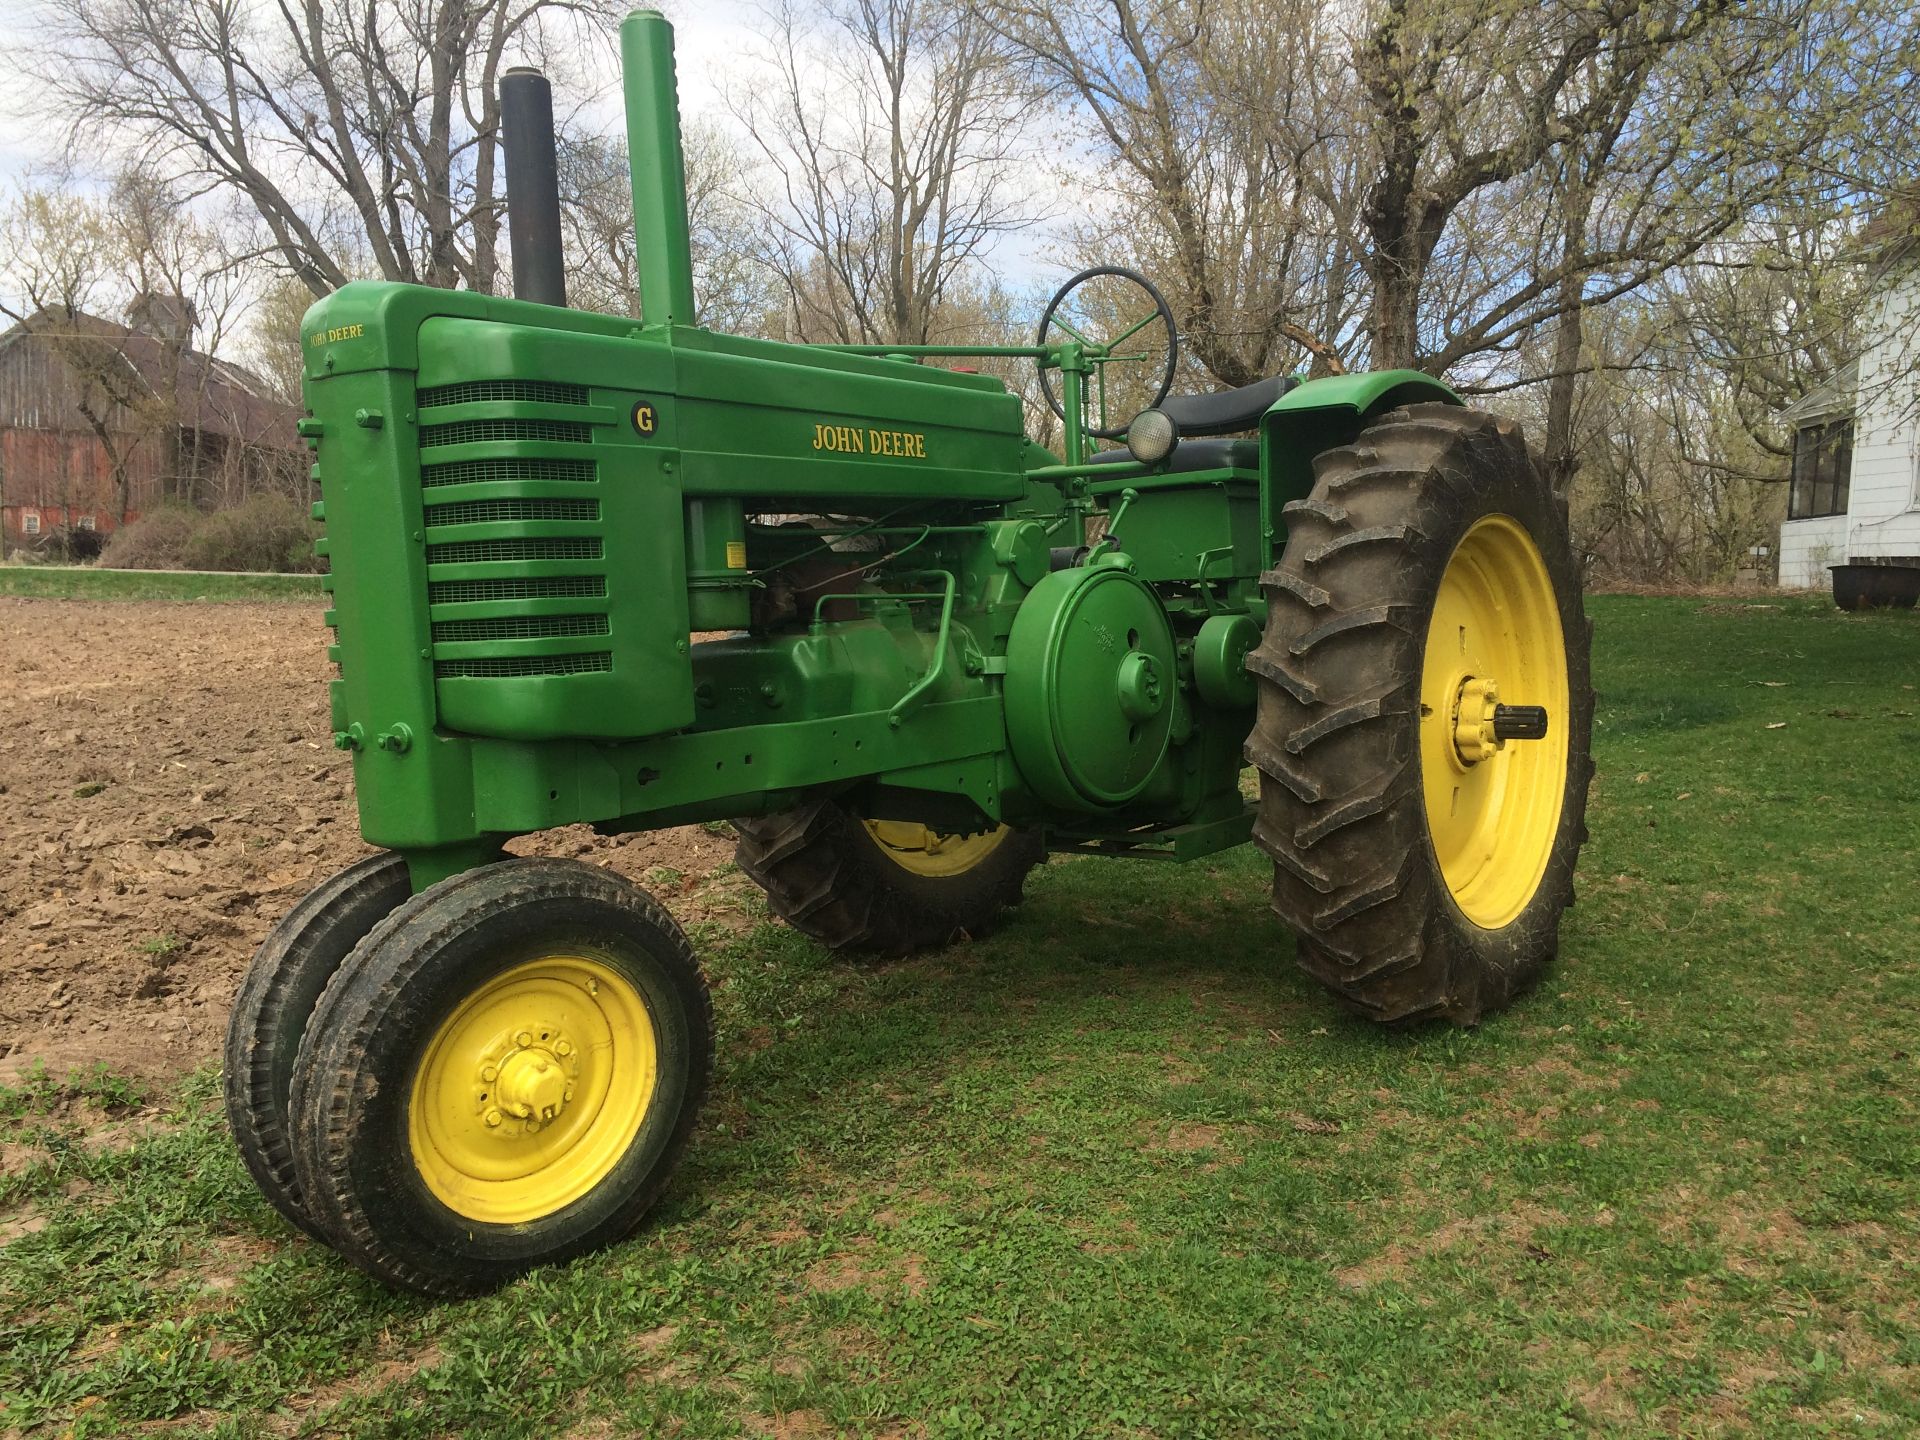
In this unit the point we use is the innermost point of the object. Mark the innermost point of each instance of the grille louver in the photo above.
(475, 552)
(543, 587)
(520, 627)
(481, 512)
(508, 471)
(469, 392)
(481, 432)
(521, 666)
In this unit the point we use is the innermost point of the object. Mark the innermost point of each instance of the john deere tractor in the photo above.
(639, 574)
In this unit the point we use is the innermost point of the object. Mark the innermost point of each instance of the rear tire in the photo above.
(289, 973)
(830, 874)
(503, 1075)
(1350, 802)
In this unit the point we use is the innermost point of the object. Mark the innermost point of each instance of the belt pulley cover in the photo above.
(1090, 686)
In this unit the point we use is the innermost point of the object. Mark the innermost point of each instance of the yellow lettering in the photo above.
(337, 334)
(868, 440)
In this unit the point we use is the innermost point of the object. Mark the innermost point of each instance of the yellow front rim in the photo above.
(532, 1090)
(914, 847)
(1493, 809)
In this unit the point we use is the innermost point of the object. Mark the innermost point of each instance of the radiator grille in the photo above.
(507, 471)
(477, 512)
(468, 552)
(501, 669)
(481, 432)
(544, 587)
(499, 481)
(520, 627)
(546, 392)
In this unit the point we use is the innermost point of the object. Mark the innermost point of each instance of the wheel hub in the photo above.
(1473, 737)
(925, 851)
(532, 1089)
(533, 1082)
(1493, 809)
(1482, 725)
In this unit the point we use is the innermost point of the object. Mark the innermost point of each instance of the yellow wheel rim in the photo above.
(914, 847)
(532, 1090)
(1493, 809)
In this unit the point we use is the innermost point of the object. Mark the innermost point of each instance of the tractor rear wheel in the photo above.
(1425, 610)
(882, 887)
(504, 1074)
(289, 972)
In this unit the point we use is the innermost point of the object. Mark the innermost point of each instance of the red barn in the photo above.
(100, 421)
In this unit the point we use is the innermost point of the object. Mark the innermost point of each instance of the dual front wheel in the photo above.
(453, 1086)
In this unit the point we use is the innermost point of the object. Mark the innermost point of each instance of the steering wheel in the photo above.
(1076, 314)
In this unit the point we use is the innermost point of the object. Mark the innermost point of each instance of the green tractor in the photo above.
(644, 575)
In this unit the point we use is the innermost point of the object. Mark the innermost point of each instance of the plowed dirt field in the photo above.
(168, 790)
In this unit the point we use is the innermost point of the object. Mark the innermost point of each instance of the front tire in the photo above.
(882, 887)
(289, 973)
(1423, 860)
(504, 1075)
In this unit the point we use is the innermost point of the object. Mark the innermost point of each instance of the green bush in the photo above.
(156, 541)
(268, 532)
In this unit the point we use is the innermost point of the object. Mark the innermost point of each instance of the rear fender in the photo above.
(1318, 416)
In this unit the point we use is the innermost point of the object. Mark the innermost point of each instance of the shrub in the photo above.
(156, 541)
(267, 532)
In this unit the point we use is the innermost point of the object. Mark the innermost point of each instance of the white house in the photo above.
(1856, 454)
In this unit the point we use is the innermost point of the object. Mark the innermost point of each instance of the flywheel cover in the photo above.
(1091, 687)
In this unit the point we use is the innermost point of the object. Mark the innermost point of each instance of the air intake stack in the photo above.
(659, 170)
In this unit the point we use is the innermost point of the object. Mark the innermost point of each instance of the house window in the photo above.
(30, 522)
(1822, 465)
(85, 522)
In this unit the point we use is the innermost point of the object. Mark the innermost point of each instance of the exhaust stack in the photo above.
(533, 187)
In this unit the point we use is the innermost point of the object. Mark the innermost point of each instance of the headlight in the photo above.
(1152, 436)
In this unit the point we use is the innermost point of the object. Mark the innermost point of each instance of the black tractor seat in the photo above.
(1226, 412)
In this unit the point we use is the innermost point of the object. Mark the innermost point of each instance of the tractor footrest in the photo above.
(1177, 842)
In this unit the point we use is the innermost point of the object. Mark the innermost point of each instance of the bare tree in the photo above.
(892, 134)
(733, 290)
(364, 133)
(1228, 127)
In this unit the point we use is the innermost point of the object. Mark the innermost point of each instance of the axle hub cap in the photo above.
(1493, 808)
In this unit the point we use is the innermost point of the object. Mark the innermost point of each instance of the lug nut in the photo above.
(489, 1072)
(523, 1039)
(563, 1048)
(493, 1117)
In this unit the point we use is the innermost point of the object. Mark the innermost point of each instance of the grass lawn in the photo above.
(1121, 1171)
(81, 582)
